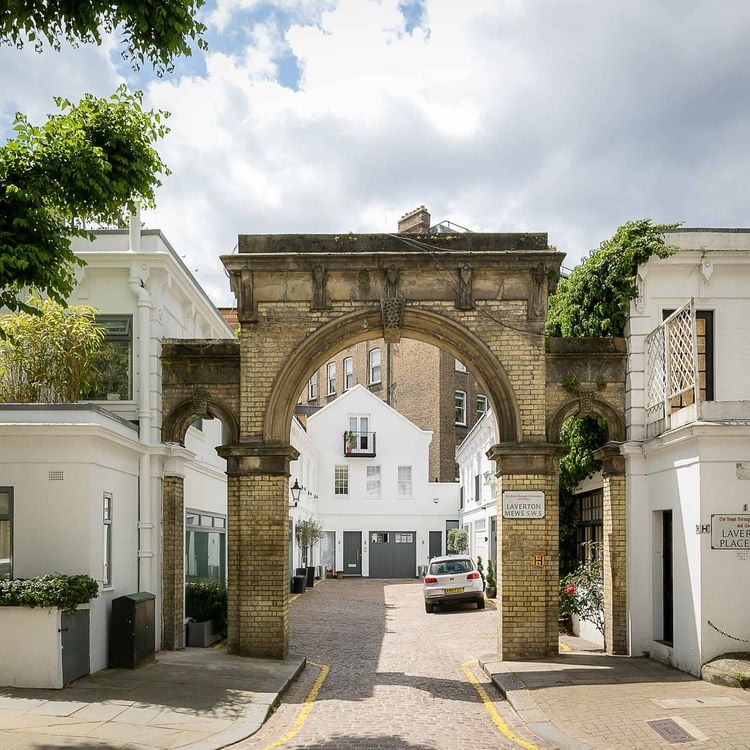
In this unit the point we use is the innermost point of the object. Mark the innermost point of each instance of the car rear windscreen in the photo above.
(447, 567)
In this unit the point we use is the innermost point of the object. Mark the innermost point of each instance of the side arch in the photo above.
(596, 408)
(364, 325)
(176, 423)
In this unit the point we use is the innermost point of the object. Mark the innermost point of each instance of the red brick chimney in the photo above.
(415, 222)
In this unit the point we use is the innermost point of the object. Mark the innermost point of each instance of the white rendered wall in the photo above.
(398, 443)
(58, 524)
(30, 650)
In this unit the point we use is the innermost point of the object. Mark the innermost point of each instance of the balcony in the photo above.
(359, 444)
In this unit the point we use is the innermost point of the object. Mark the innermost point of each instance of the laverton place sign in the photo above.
(730, 532)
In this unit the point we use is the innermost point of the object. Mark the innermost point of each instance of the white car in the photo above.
(453, 578)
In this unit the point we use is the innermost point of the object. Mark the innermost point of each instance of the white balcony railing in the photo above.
(671, 352)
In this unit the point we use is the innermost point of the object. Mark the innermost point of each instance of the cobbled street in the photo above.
(396, 677)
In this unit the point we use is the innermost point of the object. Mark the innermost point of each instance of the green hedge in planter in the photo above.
(207, 600)
(56, 590)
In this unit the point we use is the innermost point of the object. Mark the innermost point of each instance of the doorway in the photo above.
(352, 553)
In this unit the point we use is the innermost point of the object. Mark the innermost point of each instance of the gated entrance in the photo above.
(300, 300)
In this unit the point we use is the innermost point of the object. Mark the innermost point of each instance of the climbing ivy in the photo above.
(595, 299)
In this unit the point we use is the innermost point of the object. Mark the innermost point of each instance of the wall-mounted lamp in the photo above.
(295, 490)
(435, 500)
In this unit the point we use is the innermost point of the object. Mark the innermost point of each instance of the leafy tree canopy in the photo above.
(595, 299)
(46, 357)
(92, 162)
(153, 30)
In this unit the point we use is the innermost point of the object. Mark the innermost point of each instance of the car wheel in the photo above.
(480, 603)
(429, 608)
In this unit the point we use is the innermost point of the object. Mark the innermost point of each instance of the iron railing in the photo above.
(359, 444)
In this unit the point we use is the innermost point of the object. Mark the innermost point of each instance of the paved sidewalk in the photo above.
(203, 699)
(582, 700)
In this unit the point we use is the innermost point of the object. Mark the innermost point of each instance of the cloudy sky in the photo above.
(569, 117)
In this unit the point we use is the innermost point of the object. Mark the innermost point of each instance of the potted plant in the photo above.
(351, 441)
(307, 534)
(480, 568)
(458, 541)
(340, 575)
(206, 606)
(490, 581)
(330, 573)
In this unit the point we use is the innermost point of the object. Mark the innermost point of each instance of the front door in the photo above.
(352, 553)
(436, 544)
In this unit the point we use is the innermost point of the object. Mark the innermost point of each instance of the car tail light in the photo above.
(430, 579)
(472, 576)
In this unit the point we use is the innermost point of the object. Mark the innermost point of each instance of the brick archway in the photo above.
(481, 297)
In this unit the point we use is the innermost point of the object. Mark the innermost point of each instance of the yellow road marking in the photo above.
(492, 711)
(565, 647)
(294, 598)
(220, 644)
(491, 602)
(306, 708)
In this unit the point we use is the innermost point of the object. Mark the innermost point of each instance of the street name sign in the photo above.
(524, 504)
(730, 531)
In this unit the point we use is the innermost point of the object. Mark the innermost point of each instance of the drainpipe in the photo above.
(145, 516)
(388, 379)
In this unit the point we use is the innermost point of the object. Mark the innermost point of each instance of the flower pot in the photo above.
(298, 584)
(491, 592)
(201, 634)
(310, 576)
(340, 574)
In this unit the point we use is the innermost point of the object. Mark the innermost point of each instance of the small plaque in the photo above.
(537, 561)
(730, 531)
(525, 504)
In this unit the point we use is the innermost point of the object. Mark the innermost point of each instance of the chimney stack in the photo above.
(415, 222)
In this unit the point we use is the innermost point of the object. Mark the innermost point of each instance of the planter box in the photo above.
(201, 634)
(31, 647)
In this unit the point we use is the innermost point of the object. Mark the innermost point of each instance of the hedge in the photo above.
(56, 591)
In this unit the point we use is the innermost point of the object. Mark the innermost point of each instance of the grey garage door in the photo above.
(393, 554)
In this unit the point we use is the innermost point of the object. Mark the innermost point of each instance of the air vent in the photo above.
(56, 476)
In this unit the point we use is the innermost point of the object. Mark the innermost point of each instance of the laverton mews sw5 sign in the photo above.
(526, 504)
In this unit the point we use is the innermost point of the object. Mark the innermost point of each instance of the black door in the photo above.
(75, 645)
(352, 553)
(667, 578)
(436, 544)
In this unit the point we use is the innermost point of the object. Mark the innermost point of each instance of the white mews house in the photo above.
(382, 516)
(688, 451)
(81, 484)
(478, 484)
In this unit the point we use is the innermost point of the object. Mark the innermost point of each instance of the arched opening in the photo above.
(422, 325)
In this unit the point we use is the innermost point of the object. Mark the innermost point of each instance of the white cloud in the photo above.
(551, 116)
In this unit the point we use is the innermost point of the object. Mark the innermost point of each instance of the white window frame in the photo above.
(481, 398)
(348, 373)
(459, 366)
(404, 481)
(460, 409)
(374, 367)
(312, 387)
(8, 518)
(373, 481)
(107, 539)
(341, 480)
(331, 379)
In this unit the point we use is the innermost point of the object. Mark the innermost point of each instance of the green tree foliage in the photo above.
(308, 533)
(92, 162)
(46, 356)
(582, 436)
(458, 541)
(153, 30)
(595, 299)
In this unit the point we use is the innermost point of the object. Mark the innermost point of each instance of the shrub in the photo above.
(582, 593)
(458, 540)
(491, 582)
(58, 591)
(207, 600)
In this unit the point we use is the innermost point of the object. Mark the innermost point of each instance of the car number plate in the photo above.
(454, 591)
